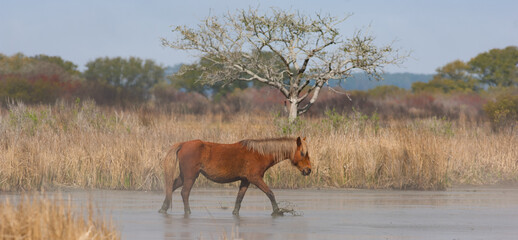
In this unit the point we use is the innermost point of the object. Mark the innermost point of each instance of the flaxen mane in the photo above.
(278, 147)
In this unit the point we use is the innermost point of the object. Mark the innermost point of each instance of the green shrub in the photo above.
(503, 112)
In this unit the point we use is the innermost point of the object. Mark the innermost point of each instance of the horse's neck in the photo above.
(278, 159)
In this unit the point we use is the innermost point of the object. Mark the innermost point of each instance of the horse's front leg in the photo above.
(242, 190)
(262, 185)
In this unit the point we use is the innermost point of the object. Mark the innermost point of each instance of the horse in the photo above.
(244, 161)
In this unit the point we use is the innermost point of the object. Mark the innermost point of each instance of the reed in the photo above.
(86, 146)
(40, 217)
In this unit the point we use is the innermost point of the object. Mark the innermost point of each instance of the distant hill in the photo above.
(360, 81)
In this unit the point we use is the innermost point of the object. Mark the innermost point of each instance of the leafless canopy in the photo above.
(290, 51)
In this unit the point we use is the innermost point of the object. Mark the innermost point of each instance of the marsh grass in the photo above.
(86, 146)
(42, 217)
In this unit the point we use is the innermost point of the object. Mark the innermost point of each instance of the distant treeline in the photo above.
(458, 88)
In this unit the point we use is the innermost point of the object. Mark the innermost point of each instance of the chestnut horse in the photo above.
(246, 161)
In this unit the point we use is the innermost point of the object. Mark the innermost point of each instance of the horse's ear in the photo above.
(299, 142)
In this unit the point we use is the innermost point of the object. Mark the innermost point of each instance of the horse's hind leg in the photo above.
(178, 182)
(168, 195)
(242, 190)
(188, 182)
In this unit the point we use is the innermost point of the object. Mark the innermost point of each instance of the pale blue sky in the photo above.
(437, 32)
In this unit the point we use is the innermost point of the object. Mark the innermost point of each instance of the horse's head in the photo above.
(301, 157)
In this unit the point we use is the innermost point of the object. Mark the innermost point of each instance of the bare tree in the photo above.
(305, 52)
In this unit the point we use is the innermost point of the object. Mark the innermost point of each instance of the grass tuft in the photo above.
(39, 217)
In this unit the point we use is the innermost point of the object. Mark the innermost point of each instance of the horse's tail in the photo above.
(170, 164)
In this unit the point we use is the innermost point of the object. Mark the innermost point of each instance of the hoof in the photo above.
(164, 211)
(277, 214)
(235, 213)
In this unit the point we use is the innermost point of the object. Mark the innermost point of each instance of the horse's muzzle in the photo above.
(306, 171)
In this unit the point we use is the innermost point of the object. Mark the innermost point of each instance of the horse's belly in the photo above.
(221, 177)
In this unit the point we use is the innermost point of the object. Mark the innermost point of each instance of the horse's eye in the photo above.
(301, 153)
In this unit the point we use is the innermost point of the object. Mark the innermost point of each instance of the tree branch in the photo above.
(278, 85)
(312, 100)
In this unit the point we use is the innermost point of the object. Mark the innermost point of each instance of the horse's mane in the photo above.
(278, 147)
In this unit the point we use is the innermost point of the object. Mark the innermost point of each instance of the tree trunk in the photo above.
(294, 108)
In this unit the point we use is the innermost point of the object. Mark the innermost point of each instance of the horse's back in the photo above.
(224, 155)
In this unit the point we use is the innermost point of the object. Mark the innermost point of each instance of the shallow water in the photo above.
(461, 213)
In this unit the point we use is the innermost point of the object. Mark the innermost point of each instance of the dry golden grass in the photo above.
(39, 217)
(85, 146)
